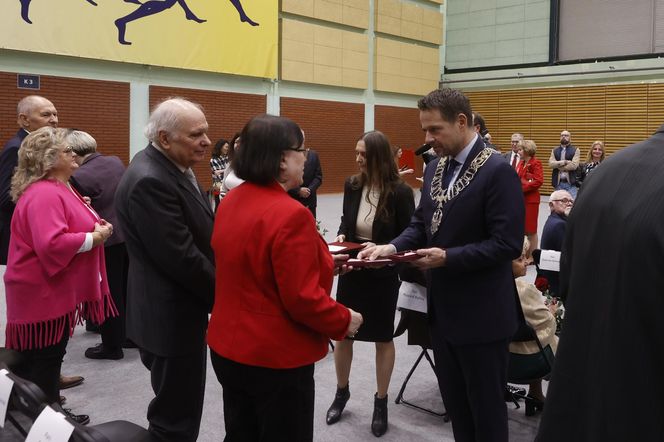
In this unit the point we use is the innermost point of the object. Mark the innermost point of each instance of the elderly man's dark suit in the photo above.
(472, 310)
(167, 225)
(553, 235)
(607, 382)
(8, 162)
(312, 179)
(98, 178)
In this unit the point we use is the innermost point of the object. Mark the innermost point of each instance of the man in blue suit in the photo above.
(468, 227)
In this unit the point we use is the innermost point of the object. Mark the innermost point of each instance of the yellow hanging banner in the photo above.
(230, 36)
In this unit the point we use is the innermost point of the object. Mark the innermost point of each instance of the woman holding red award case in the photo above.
(377, 206)
(273, 313)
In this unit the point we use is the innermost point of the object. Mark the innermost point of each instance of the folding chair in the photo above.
(28, 400)
(418, 334)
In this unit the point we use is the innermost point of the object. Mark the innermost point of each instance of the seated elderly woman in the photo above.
(541, 318)
(273, 313)
(56, 267)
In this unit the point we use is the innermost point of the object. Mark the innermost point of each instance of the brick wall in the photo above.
(332, 129)
(98, 107)
(226, 113)
(402, 126)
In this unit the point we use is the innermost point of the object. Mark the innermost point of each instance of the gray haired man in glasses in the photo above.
(553, 234)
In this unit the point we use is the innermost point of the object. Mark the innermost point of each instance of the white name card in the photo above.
(6, 385)
(550, 260)
(50, 426)
(412, 297)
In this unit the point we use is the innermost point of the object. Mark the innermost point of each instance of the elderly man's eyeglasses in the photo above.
(68, 149)
(564, 201)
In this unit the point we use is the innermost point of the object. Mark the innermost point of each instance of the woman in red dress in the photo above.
(529, 170)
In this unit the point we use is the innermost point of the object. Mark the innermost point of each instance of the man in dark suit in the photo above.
(512, 156)
(312, 179)
(97, 178)
(167, 223)
(607, 381)
(564, 161)
(33, 113)
(470, 219)
(553, 233)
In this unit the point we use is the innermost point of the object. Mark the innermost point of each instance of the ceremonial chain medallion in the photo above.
(441, 196)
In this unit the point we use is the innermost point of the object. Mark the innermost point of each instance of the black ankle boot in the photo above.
(379, 421)
(337, 407)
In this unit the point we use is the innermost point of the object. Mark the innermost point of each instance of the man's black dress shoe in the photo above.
(100, 351)
(128, 343)
(82, 419)
(533, 406)
(70, 381)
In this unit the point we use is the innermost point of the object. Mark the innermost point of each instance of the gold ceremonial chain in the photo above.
(441, 196)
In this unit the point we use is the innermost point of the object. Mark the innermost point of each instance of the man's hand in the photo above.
(375, 252)
(356, 321)
(304, 192)
(433, 257)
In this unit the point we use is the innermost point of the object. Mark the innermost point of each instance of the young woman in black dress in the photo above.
(377, 206)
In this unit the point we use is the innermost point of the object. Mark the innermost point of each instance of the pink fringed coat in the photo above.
(47, 283)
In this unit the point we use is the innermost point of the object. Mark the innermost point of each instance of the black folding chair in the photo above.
(28, 400)
(416, 325)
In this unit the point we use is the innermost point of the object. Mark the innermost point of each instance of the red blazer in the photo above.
(273, 280)
(532, 177)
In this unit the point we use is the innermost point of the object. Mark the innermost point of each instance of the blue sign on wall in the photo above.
(27, 81)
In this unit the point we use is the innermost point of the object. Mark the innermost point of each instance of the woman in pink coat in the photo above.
(55, 268)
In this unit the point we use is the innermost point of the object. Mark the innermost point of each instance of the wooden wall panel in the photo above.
(548, 120)
(586, 117)
(514, 115)
(626, 120)
(655, 111)
(619, 115)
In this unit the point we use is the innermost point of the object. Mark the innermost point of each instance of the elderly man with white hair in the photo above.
(553, 234)
(167, 222)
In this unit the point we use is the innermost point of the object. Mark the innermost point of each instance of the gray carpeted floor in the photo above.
(121, 389)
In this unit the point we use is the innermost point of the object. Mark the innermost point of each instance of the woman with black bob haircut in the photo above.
(377, 207)
(273, 314)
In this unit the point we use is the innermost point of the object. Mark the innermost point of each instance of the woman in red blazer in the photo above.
(273, 314)
(532, 177)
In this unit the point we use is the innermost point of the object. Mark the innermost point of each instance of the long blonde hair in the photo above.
(38, 154)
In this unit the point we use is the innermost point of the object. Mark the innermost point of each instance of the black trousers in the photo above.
(42, 366)
(179, 387)
(472, 381)
(117, 262)
(266, 404)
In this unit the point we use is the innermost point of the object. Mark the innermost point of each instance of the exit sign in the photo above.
(26, 81)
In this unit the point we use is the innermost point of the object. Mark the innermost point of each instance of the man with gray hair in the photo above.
(167, 222)
(97, 178)
(33, 112)
(512, 156)
(553, 234)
